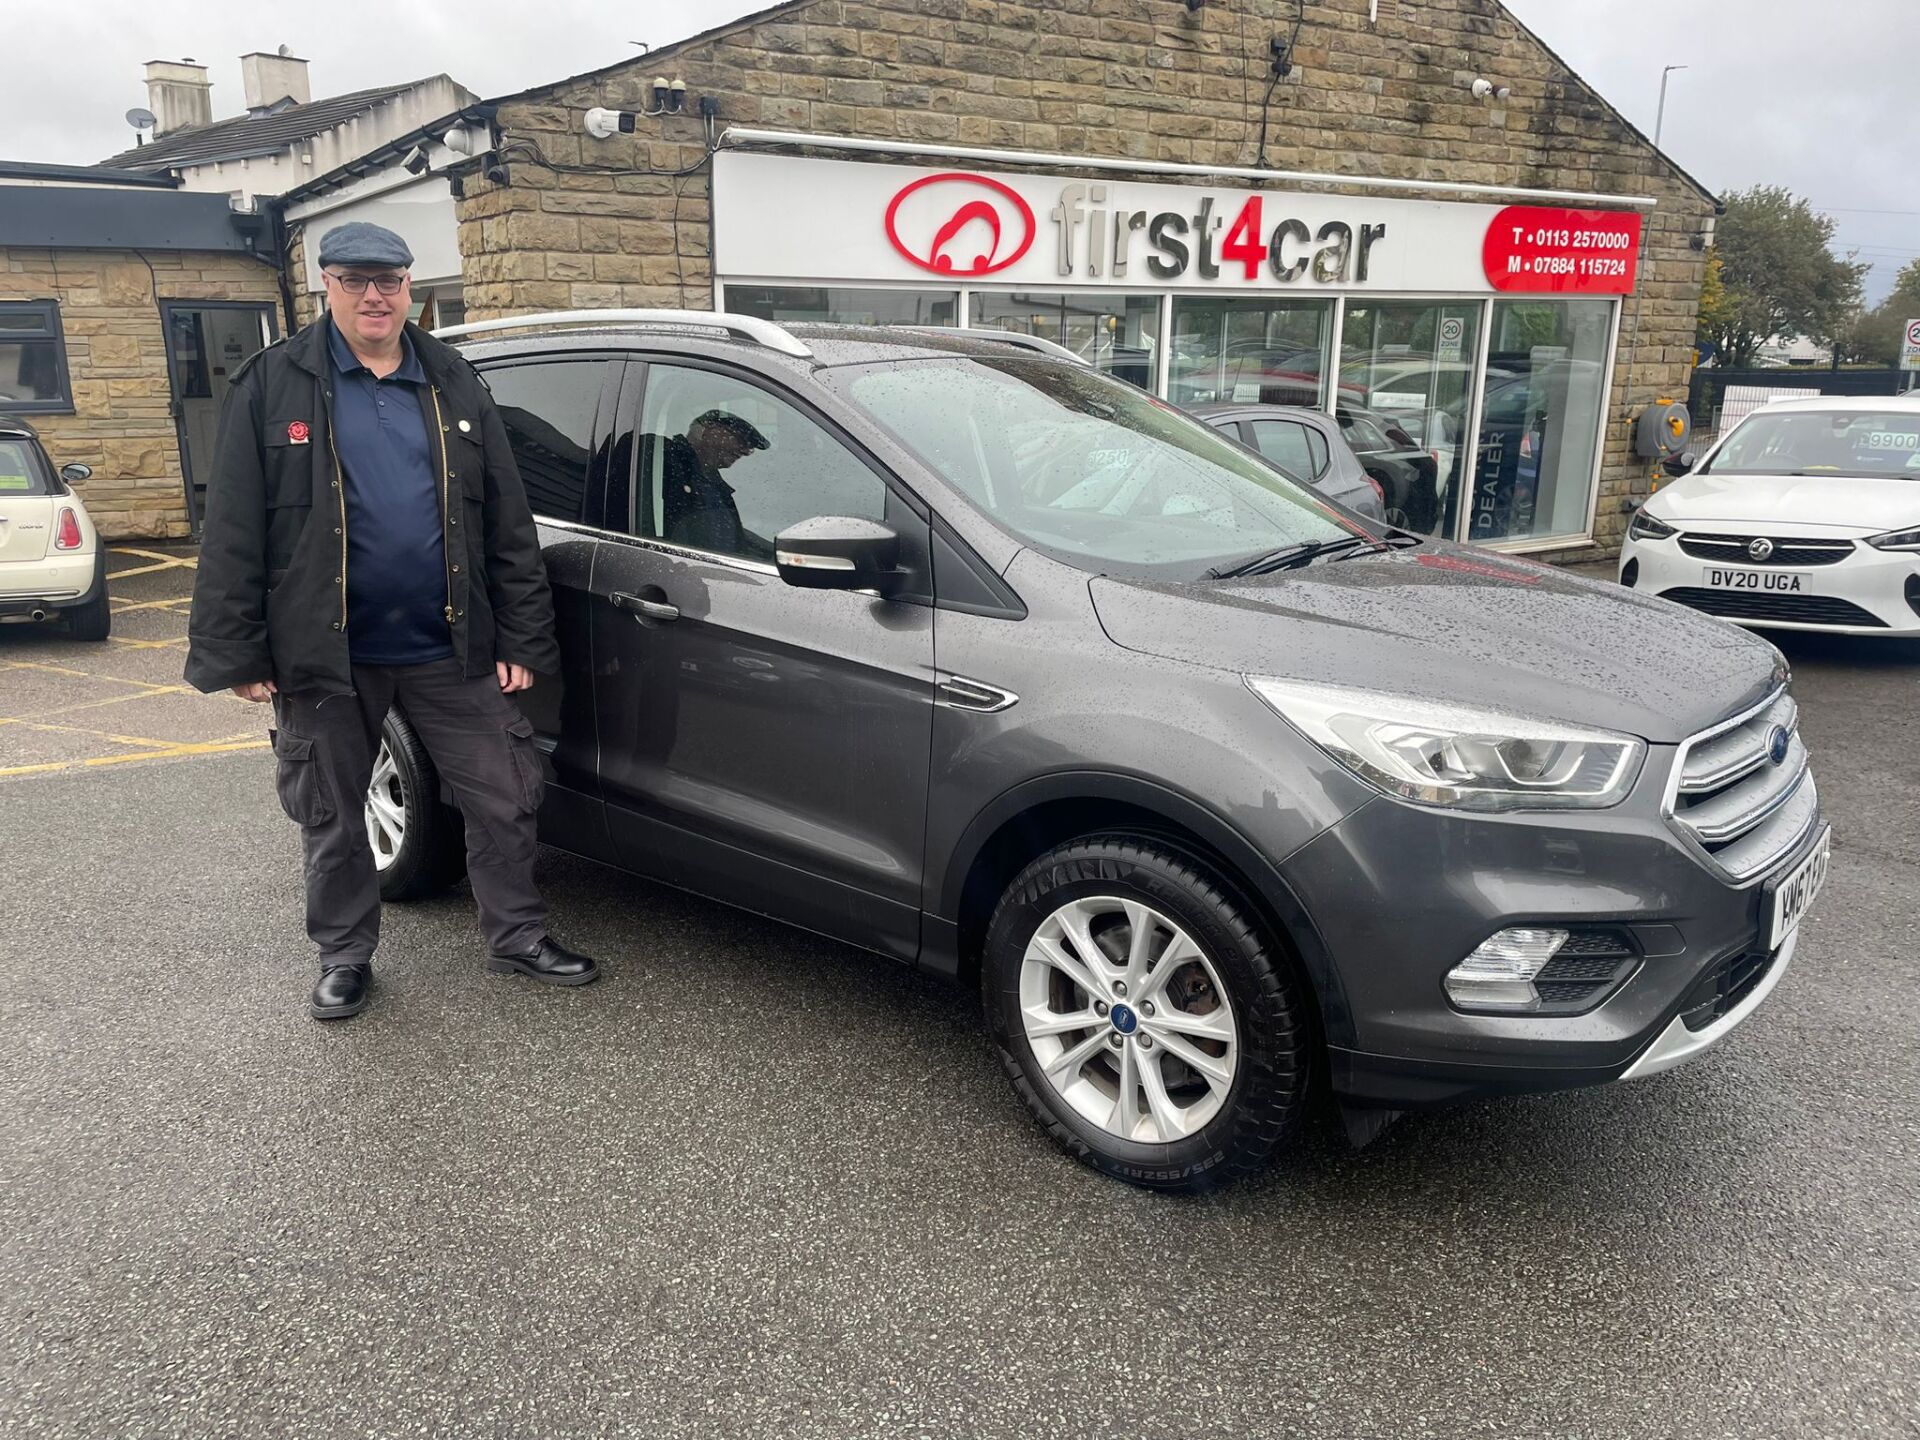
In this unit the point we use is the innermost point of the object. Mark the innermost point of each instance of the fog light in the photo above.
(1630, 575)
(1499, 973)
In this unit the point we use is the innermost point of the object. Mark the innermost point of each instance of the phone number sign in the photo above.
(1543, 250)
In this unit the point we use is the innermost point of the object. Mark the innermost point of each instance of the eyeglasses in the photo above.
(357, 284)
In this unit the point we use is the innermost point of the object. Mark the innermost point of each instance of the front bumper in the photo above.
(1401, 893)
(1870, 592)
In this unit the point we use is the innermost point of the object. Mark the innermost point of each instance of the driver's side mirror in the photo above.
(73, 474)
(1680, 464)
(838, 552)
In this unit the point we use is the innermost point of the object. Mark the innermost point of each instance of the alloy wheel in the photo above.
(1128, 1019)
(386, 808)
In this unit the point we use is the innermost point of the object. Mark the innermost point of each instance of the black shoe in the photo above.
(551, 964)
(340, 991)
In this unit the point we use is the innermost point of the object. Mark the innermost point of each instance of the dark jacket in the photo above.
(269, 600)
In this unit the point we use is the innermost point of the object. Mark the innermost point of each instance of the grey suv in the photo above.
(1218, 793)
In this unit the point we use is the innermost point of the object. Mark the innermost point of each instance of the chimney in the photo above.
(179, 95)
(270, 79)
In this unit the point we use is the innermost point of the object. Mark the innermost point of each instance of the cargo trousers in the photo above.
(325, 746)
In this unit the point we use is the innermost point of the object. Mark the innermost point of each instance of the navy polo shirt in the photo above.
(396, 555)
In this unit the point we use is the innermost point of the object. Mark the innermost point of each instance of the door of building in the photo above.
(206, 342)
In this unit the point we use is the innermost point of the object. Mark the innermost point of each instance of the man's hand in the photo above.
(512, 677)
(259, 693)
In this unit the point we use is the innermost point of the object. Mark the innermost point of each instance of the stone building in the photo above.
(1086, 122)
(124, 305)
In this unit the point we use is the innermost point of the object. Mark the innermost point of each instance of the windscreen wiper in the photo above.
(1305, 552)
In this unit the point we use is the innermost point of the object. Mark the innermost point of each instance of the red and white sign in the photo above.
(785, 219)
(1542, 250)
(297, 432)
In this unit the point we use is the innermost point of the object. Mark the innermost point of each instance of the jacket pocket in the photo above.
(530, 780)
(304, 792)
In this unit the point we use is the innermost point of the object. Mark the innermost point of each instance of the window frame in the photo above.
(49, 311)
(605, 409)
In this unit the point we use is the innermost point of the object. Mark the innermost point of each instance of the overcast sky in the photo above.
(1820, 97)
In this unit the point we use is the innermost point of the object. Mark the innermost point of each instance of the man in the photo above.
(367, 541)
(698, 505)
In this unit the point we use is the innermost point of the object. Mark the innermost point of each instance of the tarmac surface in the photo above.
(757, 1184)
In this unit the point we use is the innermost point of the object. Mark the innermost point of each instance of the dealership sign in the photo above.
(779, 218)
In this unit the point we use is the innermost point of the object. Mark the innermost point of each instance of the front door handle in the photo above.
(645, 609)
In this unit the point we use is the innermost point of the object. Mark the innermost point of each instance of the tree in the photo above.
(1781, 277)
(1884, 328)
(1716, 310)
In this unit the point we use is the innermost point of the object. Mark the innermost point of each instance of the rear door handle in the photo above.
(645, 609)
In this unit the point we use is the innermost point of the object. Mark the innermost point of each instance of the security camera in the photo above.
(677, 96)
(1482, 88)
(417, 162)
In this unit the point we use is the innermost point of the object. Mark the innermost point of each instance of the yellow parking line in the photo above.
(143, 740)
(148, 644)
(112, 700)
(142, 570)
(172, 752)
(171, 561)
(152, 604)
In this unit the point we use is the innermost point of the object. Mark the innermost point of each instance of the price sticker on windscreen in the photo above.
(1541, 250)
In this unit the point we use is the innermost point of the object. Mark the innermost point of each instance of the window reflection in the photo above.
(1541, 411)
(1270, 352)
(1116, 334)
(1406, 377)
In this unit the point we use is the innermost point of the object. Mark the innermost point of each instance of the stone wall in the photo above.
(117, 363)
(1115, 78)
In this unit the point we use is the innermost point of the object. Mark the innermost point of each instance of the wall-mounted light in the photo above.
(1485, 89)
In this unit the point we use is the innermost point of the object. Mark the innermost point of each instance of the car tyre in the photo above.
(419, 844)
(1119, 884)
(93, 621)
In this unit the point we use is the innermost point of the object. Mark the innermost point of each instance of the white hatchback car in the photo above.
(52, 564)
(1805, 516)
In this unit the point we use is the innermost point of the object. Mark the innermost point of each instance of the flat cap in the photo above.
(358, 243)
(739, 426)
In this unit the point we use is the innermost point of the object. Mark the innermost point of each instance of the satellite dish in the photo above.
(142, 119)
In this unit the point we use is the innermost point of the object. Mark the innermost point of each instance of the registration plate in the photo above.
(1755, 580)
(1793, 892)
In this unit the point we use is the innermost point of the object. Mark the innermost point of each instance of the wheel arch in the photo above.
(1039, 814)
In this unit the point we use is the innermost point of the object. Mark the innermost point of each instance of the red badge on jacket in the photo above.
(297, 432)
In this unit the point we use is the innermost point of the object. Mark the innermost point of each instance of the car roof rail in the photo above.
(743, 327)
(1004, 337)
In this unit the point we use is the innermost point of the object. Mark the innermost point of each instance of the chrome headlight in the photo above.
(1648, 527)
(1896, 540)
(1454, 756)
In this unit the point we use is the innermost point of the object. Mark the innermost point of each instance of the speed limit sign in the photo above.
(1910, 353)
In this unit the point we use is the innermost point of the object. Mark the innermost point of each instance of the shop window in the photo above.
(724, 466)
(33, 358)
(1406, 386)
(848, 305)
(1116, 334)
(1541, 414)
(548, 411)
(1270, 352)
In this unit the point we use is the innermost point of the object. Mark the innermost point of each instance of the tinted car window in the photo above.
(1362, 434)
(723, 465)
(21, 472)
(548, 409)
(1285, 442)
(1088, 469)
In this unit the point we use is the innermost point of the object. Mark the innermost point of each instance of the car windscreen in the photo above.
(21, 470)
(1088, 469)
(1822, 442)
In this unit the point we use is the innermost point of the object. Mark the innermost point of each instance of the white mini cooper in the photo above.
(52, 564)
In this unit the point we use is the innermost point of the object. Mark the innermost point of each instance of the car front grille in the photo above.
(1787, 549)
(1761, 607)
(1734, 801)
(1723, 987)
